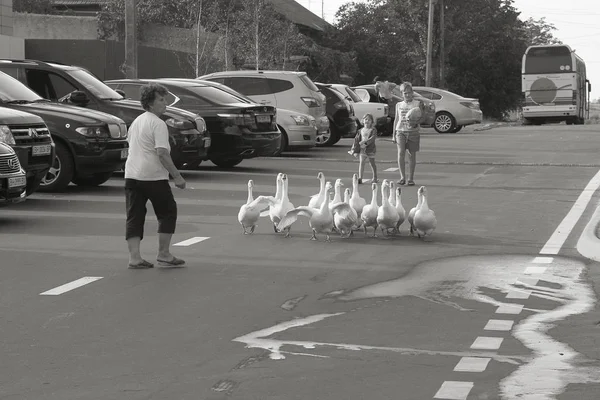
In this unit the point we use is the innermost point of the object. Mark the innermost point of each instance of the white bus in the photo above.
(554, 85)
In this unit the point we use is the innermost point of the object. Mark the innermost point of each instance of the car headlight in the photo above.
(200, 124)
(93, 131)
(117, 131)
(6, 135)
(182, 125)
(300, 120)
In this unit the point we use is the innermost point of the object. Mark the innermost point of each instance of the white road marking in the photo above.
(518, 294)
(391, 170)
(454, 390)
(487, 343)
(562, 232)
(543, 260)
(472, 364)
(70, 286)
(510, 309)
(534, 270)
(499, 325)
(527, 281)
(191, 241)
(588, 245)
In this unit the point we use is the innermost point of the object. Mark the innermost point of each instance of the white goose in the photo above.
(344, 217)
(424, 221)
(400, 209)
(320, 219)
(369, 212)
(392, 198)
(250, 212)
(337, 196)
(357, 202)
(387, 216)
(274, 210)
(411, 213)
(285, 203)
(317, 199)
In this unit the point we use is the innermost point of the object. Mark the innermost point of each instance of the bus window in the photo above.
(548, 60)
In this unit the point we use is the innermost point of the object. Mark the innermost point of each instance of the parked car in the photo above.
(379, 111)
(89, 145)
(452, 110)
(340, 113)
(75, 85)
(238, 130)
(292, 90)
(13, 181)
(30, 139)
(368, 93)
(298, 131)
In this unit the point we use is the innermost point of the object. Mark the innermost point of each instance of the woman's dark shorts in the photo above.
(137, 194)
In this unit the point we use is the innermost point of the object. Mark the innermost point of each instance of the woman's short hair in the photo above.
(370, 116)
(407, 86)
(148, 93)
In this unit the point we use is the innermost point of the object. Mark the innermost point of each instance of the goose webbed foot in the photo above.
(327, 238)
(314, 236)
(275, 228)
(287, 233)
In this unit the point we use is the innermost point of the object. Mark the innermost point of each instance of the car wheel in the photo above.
(325, 139)
(61, 172)
(226, 162)
(444, 122)
(92, 180)
(284, 142)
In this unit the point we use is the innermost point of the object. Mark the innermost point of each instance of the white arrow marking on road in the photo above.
(562, 232)
(499, 325)
(192, 241)
(391, 170)
(535, 270)
(518, 294)
(543, 260)
(510, 309)
(70, 286)
(453, 390)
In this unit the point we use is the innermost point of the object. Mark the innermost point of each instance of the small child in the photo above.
(364, 146)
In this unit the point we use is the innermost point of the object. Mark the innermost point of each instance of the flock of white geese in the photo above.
(342, 215)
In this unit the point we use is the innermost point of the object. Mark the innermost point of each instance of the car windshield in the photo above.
(215, 95)
(13, 90)
(242, 98)
(94, 85)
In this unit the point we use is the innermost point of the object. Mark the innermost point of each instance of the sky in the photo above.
(576, 23)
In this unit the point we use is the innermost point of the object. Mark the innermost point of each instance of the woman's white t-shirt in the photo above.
(146, 133)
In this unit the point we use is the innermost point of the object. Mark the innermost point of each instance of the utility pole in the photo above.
(429, 43)
(322, 9)
(442, 49)
(131, 59)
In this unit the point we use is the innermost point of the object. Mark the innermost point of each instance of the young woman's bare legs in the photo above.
(401, 144)
(412, 161)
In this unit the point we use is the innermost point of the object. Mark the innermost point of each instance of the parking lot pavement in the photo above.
(264, 317)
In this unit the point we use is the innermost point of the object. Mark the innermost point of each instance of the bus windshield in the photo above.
(548, 60)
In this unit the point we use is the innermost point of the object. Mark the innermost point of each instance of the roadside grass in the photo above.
(594, 115)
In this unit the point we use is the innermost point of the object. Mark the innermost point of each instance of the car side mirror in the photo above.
(79, 98)
(121, 92)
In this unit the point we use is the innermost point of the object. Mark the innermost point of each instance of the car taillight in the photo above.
(386, 111)
(311, 102)
(470, 105)
(574, 96)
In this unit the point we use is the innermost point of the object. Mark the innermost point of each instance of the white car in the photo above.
(290, 90)
(452, 111)
(379, 111)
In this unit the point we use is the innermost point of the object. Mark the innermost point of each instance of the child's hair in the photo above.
(407, 86)
(369, 116)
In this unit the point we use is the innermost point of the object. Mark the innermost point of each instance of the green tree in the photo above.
(33, 6)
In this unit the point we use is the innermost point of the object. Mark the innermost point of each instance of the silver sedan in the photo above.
(452, 110)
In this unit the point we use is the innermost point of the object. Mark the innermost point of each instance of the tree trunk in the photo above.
(198, 39)
(256, 33)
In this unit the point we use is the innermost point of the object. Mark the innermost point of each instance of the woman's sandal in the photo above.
(411, 183)
(143, 265)
(401, 182)
(172, 263)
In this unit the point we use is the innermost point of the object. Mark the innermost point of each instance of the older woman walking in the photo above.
(147, 172)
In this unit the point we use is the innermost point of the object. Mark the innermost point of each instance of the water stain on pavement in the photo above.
(545, 374)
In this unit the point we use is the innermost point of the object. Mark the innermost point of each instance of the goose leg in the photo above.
(275, 228)
(243, 227)
(252, 229)
(327, 238)
(287, 232)
(314, 236)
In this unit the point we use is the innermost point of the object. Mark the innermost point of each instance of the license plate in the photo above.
(124, 153)
(43, 150)
(17, 181)
(263, 119)
(207, 142)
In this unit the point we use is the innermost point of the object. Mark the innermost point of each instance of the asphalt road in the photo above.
(499, 303)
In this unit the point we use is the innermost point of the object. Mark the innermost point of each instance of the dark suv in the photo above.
(30, 138)
(340, 113)
(13, 178)
(90, 145)
(188, 136)
(238, 130)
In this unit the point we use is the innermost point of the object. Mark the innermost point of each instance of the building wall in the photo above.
(10, 47)
(6, 17)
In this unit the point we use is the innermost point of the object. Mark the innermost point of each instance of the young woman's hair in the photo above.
(369, 116)
(148, 94)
